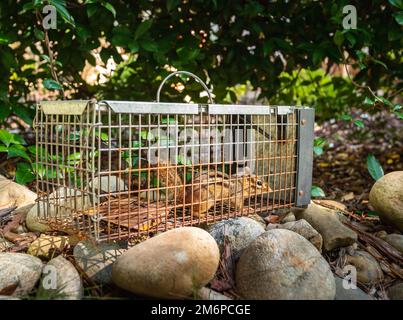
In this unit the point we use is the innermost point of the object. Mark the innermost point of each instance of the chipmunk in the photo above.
(214, 186)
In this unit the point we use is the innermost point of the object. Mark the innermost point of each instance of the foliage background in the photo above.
(287, 52)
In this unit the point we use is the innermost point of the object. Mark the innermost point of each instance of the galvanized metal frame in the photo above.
(283, 136)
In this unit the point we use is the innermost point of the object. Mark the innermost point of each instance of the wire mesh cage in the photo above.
(123, 169)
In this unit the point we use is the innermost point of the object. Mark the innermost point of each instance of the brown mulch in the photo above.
(341, 170)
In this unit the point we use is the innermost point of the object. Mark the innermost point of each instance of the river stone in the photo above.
(386, 197)
(368, 269)
(13, 194)
(395, 240)
(63, 197)
(68, 281)
(282, 265)
(240, 233)
(96, 259)
(303, 228)
(45, 246)
(105, 185)
(174, 264)
(19, 269)
(327, 223)
(349, 294)
(395, 292)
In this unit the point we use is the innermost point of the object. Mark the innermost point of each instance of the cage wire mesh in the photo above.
(121, 169)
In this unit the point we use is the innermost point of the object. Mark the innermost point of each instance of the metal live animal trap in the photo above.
(121, 169)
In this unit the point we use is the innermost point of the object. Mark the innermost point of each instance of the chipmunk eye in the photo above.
(259, 183)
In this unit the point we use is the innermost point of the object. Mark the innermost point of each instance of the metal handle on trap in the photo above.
(189, 74)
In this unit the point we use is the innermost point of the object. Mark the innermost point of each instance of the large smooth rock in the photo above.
(240, 233)
(386, 197)
(395, 240)
(106, 184)
(327, 223)
(96, 259)
(281, 264)
(395, 292)
(349, 294)
(14, 194)
(174, 264)
(303, 228)
(368, 269)
(68, 284)
(59, 204)
(20, 269)
(46, 246)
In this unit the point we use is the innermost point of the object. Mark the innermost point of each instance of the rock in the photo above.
(368, 269)
(303, 228)
(45, 246)
(68, 198)
(106, 184)
(174, 264)
(240, 233)
(14, 194)
(68, 285)
(96, 259)
(349, 294)
(395, 292)
(272, 226)
(258, 218)
(327, 223)
(381, 234)
(288, 218)
(281, 264)
(386, 197)
(8, 298)
(5, 245)
(395, 240)
(19, 269)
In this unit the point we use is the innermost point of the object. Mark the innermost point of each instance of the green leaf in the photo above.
(399, 115)
(6, 137)
(346, 117)
(3, 149)
(338, 38)
(133, 46)
(16, 151)
(165, 120)
(149, 45)
(17, 139)
(110, 7)
(142, 28)
(361, 55)
(359, 123)
(39, 34)
(24, 173)
(317, 192)
(399, 17)
(368, 101)
(91, 10)
(61, 9)
(319, 142)
(171, 4)
(146, 135)
(350, 37)
(397, 107)
(397, 3)
(51, 84)
(374, 167)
